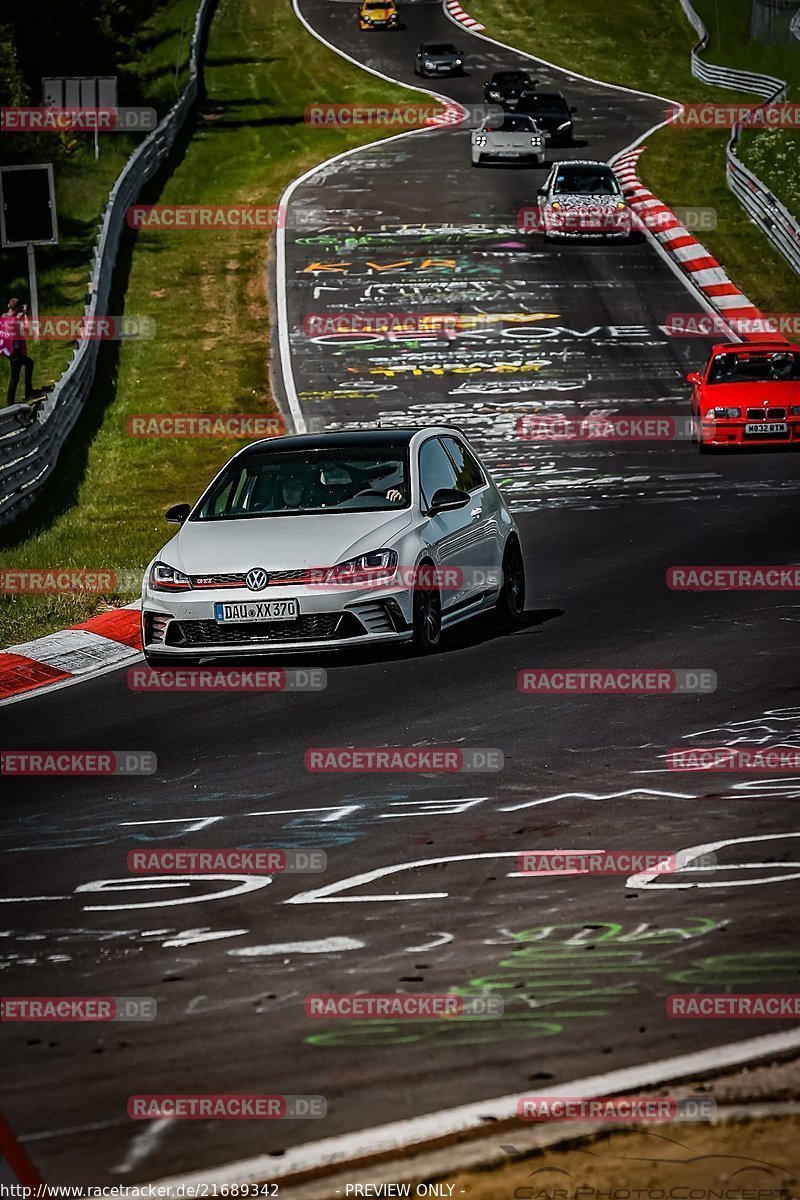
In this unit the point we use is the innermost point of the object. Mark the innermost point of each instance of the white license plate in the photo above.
(767, 427)
(256, 610)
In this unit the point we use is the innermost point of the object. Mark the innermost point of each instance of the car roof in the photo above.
(744, 347)
(542, 92)
(345, 439)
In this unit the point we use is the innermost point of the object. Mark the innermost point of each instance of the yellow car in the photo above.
(378, 14)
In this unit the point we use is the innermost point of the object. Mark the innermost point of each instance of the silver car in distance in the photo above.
(334, 540)
(508, 137)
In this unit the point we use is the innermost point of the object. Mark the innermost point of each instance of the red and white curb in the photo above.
(457, 13)
(95, 646)
(703, 270)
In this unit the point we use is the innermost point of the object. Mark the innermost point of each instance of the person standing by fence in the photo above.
(14, 347)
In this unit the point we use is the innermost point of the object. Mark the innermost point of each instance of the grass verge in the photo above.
(206, 292)
(683, 167)
(154, 77)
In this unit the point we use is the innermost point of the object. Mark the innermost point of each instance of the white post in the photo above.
(32, 287)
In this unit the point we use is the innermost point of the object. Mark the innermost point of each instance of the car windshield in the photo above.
(513, 78)
(375, 5)
(755, 368)
(549, 103)
(509, 124)
(439, 48)
(586, 181)
(274, 483)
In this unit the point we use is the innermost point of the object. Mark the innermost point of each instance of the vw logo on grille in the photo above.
(256, 579)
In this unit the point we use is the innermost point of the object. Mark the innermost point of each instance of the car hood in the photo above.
(440, 58)
(752, 395)
(549, 120)
(566, 200)
(280, 543)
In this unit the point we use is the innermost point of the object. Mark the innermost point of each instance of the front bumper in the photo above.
(484, 154)
(183, 624)
(731, 433)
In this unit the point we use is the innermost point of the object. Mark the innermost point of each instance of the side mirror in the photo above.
(573, 109)
(177, 514)
(446, 499)
(693, 377)
(541, 191)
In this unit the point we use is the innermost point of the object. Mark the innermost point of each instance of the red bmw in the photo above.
(748, 394)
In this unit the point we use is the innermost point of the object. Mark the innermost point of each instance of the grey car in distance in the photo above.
(438, 58)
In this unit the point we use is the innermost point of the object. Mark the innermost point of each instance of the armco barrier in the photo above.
(772, 218)
(29, 450)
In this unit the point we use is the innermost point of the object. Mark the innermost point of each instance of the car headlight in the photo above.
(620, 205)
(458, 62)
(426, 62)
(495, 94)
(795, 410)
(376, 567)
(480, 139)
(164, 578)
(563, 125)
(555, 204)
(536, 141)
(721, 414)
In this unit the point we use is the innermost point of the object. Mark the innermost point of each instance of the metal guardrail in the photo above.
(29, 449)
(772, 217)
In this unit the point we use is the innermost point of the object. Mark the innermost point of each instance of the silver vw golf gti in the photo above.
(333, 540)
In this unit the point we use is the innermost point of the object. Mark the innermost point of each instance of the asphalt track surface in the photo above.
(582, 964)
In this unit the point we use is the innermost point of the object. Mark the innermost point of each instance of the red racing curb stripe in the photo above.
(119, 625)
(21, 674)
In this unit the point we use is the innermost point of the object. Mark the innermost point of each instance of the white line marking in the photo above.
(142, 1146)
(331, 945)
(643, 880)
(441, 939)
(400, 1136)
